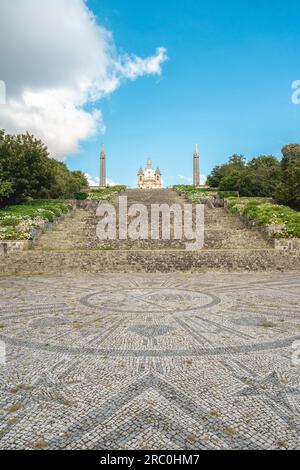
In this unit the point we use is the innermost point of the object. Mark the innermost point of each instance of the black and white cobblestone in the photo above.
(132, 361)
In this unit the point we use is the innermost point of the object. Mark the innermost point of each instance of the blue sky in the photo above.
(226, 85)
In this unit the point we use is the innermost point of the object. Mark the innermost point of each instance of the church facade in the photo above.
(148, 178)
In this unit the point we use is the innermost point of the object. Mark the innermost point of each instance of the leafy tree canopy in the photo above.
(263, 176)
(260, 177)
(289, 188)
(27, 171)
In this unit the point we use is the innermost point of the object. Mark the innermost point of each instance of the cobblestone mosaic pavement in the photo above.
(174, 361)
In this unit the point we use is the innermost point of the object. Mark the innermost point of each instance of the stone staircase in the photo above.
(73, 246)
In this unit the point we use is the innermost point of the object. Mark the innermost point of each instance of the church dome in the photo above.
(149, 164)
(149, 178)
(149, 173)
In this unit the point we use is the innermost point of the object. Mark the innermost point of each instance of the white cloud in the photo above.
(52, 116)
(111, 182)
(136, 67)
(92, 181)
(55, 60)
(185, 179)
(203, 179)
(189, 179)
(95, 181)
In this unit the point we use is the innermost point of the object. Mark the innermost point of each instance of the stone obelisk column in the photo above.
(102, 168)
(196, 173)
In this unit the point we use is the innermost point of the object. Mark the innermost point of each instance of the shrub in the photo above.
(265, 213)
(81, 196)
(27, 216)
(227, 194)
(9, 221)
(118, 188)
(185, 189)
(105, 194)
(15, 235)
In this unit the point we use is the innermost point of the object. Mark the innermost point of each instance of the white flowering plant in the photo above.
(19, 221)
(265, 213)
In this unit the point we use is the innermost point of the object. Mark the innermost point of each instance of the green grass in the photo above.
(266, 213)
(184, 189)
(227, 194)
(194, 194)
(11, 234)
(105, 248)
(14, 408)
(268, 324)
(105, 194)
(18, 221)
(9, 221)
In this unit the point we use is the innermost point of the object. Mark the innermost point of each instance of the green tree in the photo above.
(27, 171)
(290, 153)
(260, 177)
(78, 181)
(232, 181)
(235, 164)
(289, 189)
(66, 183)
(5, 191)
(216, 176)
(263, 177)
(25, 164)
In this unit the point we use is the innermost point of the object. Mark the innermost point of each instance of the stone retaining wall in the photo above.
(290, 245)
(9, 246)
(89, 204)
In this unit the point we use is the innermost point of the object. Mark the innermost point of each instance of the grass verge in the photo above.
(266, 213)
(18, 222)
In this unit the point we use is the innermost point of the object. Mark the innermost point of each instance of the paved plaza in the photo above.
(177, 361)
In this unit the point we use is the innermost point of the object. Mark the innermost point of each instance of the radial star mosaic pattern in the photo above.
(174, 361)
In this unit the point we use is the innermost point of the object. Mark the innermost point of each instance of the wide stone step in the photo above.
(217, 239)
(213, 243)
(95, 261)
(73, 246)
